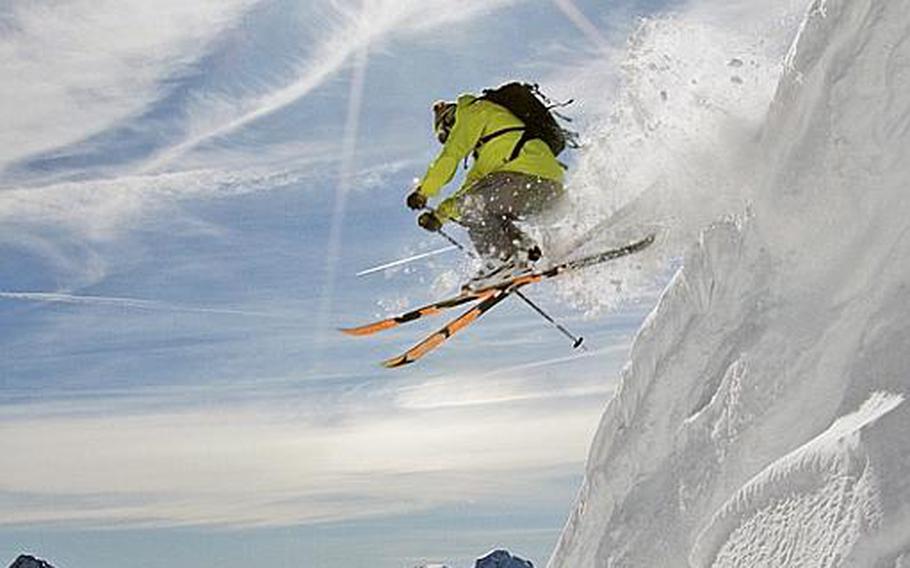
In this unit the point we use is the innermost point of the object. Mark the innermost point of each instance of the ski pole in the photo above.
(455, 243)
(576, 340)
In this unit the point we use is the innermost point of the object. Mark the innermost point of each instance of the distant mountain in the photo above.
(25, 561)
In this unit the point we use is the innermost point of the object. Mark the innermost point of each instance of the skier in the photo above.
(515, 175)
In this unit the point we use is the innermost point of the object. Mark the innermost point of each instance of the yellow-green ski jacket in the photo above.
(474, 119)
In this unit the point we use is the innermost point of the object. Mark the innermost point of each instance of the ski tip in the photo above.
(368, 329)
(354, 331)
(350, 331)
(396, 362)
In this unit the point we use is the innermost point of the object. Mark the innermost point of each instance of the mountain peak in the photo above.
(26, 561)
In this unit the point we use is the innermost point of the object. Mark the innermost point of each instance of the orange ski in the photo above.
(438, 338)
(415, 314)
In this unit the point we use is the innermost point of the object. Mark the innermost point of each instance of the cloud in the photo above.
(247, 464)
(355, 31)
(98, 209)
(75, 69)
(74, 229)
(527, 382)
(126, 303)
(584, 25)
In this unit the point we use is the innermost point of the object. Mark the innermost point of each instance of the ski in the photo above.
(442, 335)
(482, 293)
(415, 314)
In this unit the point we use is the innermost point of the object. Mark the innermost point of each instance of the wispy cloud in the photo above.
(97, 209)
(289, 451)
(527, 382)
(345, 182)
(250, 464)
(125, 303)
(74, 69)
(584, 24)
(76, 228)
(375, 21)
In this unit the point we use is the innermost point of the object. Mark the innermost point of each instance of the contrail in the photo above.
(128, 303)
(313, 78)
(349, 147)
(585, 25)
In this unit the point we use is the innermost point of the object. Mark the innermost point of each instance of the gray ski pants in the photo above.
(490, 208)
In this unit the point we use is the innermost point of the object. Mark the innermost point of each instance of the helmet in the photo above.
(443, 119)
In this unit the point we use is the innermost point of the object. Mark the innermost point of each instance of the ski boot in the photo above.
(495, 271)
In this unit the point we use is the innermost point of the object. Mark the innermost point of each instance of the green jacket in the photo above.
(474, 119)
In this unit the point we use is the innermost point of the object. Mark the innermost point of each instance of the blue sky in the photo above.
(186, 193)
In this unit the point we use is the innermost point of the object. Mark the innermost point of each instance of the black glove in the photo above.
(429, 221)
(416, 200)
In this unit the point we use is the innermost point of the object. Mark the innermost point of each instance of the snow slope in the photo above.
(762, 418)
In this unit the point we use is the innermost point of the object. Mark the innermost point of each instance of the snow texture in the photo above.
(761, 419)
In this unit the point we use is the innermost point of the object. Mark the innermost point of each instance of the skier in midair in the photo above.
(515, 177)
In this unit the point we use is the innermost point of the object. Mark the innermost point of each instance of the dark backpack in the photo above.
(535, 110)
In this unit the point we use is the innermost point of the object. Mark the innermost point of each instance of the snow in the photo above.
(761, 420)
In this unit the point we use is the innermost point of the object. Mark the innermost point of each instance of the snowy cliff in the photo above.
(762, 418)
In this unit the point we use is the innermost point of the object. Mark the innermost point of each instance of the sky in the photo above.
(186, 193)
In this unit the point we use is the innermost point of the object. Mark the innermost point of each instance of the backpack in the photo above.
(534, 109)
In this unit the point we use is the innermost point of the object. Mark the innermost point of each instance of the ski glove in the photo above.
(416, 200)
(429, 221)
